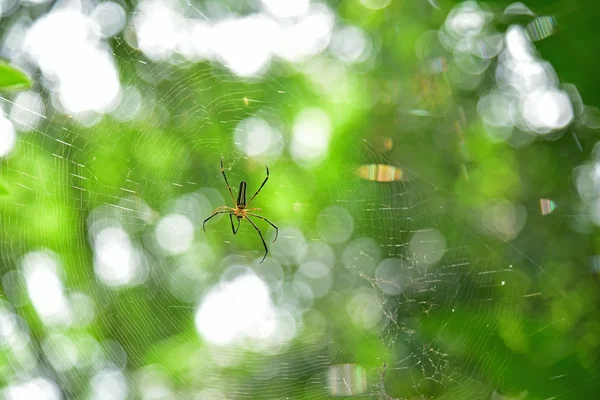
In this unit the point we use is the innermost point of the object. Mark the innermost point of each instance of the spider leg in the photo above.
(213, 215)
(228, 187)
(261, 186)
(224, 207)
(254, 209)
(261, 238)
(268, 222)
(232, 228)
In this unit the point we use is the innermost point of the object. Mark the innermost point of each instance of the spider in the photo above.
(240, 211)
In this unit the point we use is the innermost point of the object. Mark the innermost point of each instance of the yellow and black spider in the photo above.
(240, 211)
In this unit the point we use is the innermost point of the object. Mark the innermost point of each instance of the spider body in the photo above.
(240, 211)
(241, 201)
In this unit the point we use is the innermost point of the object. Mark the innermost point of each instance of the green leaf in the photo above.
(3, 190)
(12, 78)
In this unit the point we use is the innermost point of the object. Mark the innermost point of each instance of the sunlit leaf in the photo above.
(12, 78)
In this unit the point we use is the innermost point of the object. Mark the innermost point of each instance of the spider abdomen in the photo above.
(241, 200)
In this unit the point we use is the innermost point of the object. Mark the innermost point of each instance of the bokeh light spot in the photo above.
(504, 219)
(245, 45)
(311, 134)
(254, 136)
(307, 37)
(65, 46)
(109, 384)
(375, 4)
(350, 44)
(365, 309)
(8, 136)
(427, 247)
(547, 109)
(117, 262)
(26, 111)
(388, 276)
(175, 233)
(241, 310)
(335, 224)
(110, 18)
(362, 254)
(465, 20)
(130, 104)
(315, 275)
(33, 389)
(45, 286)
(287, 8)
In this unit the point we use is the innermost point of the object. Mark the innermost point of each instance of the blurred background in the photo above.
(434, 177)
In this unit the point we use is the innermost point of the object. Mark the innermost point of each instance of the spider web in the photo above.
(430, 289)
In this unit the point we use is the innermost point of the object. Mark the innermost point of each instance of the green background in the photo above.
(536, 337)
